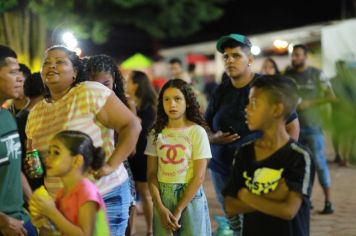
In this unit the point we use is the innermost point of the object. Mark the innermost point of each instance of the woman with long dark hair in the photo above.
(140, 89)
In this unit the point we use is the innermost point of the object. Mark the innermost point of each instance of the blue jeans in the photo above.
(117, 204)
(313, 139)
(195, 218)
(219, 181)
(31, 230)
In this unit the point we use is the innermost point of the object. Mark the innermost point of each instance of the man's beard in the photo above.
(298, 65)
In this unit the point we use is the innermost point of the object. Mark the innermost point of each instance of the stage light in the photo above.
(280, 44)
(69, 40)
(255, 50)
(290, 48)
(78, 51)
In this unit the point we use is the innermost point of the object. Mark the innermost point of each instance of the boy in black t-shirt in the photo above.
(271, 177)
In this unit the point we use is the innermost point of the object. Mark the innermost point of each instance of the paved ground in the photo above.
(341, 223)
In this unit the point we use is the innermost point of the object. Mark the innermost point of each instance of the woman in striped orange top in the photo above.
(72, 104)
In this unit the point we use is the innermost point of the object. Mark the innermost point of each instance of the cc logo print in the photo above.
(171, 154)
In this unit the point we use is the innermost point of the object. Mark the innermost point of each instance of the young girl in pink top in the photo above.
(79, 208)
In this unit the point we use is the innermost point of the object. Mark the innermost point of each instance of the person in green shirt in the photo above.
(13, 220)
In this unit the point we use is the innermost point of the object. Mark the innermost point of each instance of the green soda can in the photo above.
(32, 164)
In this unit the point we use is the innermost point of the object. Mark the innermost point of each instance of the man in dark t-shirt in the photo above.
(225, 114)
(33, 89)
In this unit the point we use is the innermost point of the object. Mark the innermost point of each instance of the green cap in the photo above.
(243, 40)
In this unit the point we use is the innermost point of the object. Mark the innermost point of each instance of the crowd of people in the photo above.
(105, 141)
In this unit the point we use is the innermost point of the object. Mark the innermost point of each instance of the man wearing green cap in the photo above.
(225, 114)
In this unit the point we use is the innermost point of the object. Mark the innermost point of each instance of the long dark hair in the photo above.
(274, 64)
(104, 63)
(192, 110)
(145, 91)
(77, 65)
(78, 142)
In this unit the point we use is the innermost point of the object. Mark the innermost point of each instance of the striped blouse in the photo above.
(76, 110)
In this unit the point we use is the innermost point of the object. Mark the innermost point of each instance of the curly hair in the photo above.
(104, 63)
(192, 107)
(77, 65)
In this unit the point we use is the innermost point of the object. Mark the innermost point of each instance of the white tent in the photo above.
(338, 42)
(300, 35)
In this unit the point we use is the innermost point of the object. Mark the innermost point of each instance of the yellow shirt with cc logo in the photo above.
(176, 149)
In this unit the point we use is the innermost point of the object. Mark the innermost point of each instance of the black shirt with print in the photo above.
(290, 162)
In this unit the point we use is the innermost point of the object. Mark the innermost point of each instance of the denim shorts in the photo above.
(117, 203)
(195, 218)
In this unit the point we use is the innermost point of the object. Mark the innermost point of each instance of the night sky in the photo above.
(245, 17)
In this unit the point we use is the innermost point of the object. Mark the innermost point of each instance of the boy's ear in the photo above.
(250, 59)
(278, 110)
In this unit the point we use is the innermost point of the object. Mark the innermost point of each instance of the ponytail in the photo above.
(78, 142)
(98, 158)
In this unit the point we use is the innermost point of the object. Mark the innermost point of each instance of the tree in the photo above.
(23, 23)
(160, 18)
(342, 122)
(23, 31)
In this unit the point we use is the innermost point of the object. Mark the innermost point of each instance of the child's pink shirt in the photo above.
(82, 193)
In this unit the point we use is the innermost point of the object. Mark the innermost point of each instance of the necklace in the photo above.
(25, 106)
(27, 103)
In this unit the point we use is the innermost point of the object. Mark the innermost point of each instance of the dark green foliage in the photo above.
(342, 122)
(6, 5)
(159, 18)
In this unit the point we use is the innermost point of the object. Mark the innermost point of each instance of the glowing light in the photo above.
(69, 40)
(255, 50)
(290, 48)
(78, 51)
(280, 44)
